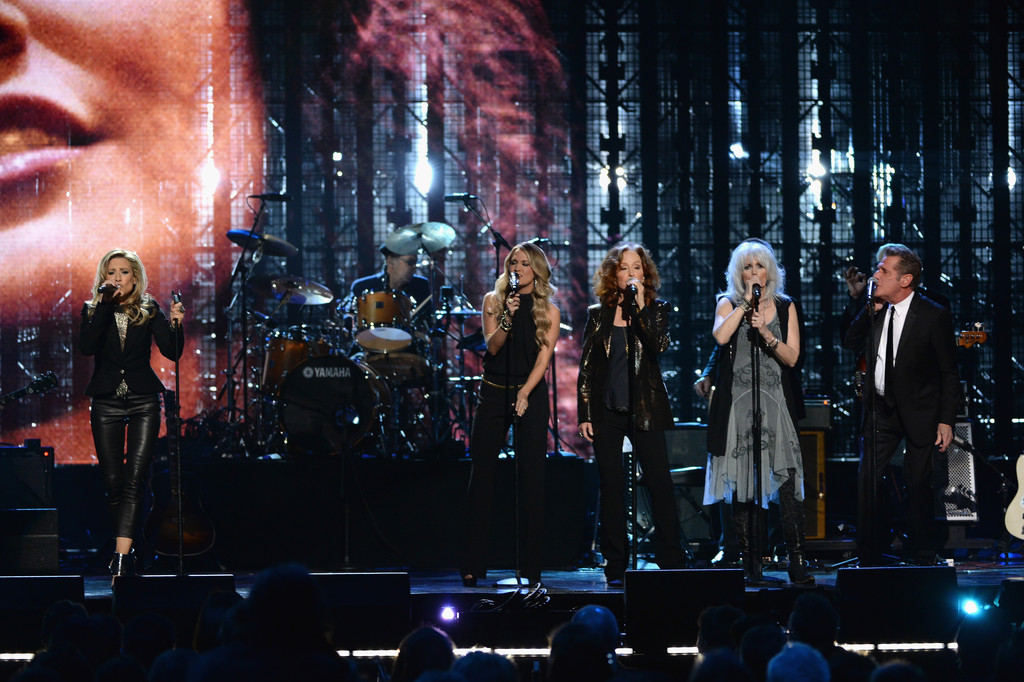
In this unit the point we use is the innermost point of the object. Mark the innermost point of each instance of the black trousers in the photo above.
(610, 428)
(918, 464)
(490, 430)
(133, 421)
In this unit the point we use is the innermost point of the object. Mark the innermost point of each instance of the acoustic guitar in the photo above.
(197, 531)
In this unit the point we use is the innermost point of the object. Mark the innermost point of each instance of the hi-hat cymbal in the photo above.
(272, 246)
(291, 289)
(410, 239)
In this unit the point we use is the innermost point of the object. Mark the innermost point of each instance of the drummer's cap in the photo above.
(386, 251)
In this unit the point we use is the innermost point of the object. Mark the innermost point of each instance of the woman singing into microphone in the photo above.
(755, 318)
(610, 409)
(521, 327)
(119, 325)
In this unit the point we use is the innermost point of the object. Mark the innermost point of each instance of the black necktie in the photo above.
(890, 363)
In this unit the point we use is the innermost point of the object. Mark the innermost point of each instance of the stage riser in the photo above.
(399, 513)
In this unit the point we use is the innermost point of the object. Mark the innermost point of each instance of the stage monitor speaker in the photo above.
(367, 610)
(812, 450)
(687, 445)
(27, 473)
(180, 598)
(24, 600)
(956, 489)
(662, 607)
(29, 542)
(897, 605)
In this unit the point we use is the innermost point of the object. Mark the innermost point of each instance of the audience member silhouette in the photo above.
(146, 636)
(721, 664)
(280, 631)
(58, 613)
(760, 644)
(715, 628)
(979, 641)
(814, 621)
(603, 624)
(1010, 660)
(898, 671)
(212, 617)
(172, 665)
(849, 666)
(62, 660)
(798, 662)
(425, 648)
(121, 669)
(485, 666)
(577, 652)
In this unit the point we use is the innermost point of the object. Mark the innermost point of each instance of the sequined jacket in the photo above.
(650, 397)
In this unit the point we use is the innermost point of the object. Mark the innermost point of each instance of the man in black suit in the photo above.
(911, 392)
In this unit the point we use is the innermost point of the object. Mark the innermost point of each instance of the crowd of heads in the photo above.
(281, 631)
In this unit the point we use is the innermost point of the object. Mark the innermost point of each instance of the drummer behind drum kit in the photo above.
(363, 380)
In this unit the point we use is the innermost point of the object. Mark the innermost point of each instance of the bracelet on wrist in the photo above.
(744, 305)
(504, 323)
(774, 343)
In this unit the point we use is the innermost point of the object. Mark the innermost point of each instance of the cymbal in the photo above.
(291, 289)
(272, 246)
(441, 314)
(430, 237)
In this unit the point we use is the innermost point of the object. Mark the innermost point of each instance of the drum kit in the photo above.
(366, 378)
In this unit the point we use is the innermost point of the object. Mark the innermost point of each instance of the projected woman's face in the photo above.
(103, 143)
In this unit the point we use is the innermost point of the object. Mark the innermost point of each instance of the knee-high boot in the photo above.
(792, 516)
(742, 522)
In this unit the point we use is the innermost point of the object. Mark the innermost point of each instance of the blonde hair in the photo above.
(759, 251)
(543, 290)
(137, 304)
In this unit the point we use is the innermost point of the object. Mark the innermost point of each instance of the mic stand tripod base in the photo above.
(512, 582)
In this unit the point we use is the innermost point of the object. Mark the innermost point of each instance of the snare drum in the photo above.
(330, 404)
(405, 370)
(383, 321)
(287, 349)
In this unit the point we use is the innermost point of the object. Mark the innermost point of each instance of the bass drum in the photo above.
(330, 405)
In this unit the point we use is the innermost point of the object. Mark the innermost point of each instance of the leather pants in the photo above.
(116, 422)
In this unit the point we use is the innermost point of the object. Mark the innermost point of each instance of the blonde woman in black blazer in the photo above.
(119, 325)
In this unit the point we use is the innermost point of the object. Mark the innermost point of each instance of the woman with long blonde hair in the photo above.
(520, 324)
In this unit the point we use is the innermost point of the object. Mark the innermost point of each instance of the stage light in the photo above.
(448, 613)
(423, 178)
(737, 151)
(970, 607)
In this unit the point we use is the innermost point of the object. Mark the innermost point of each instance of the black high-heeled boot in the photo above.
(792, 515)
(742, 520)
(123, 564)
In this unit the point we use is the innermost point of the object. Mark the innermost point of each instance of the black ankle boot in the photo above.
(798, 574)
(123, 564)
(742, 519)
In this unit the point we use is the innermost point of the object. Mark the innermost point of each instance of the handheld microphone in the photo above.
(513, 281)
(963, 445)
(755, 290)
(460, 196)
(872, 287)
(631, 291)
(106, 289)
(175, 298)
(271, 197)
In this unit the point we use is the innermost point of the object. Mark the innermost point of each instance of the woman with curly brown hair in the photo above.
(621, 392)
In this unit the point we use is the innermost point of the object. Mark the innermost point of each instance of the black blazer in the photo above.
(98, 337)
(650, 399)
(927, 383)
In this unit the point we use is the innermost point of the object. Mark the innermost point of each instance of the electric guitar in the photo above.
(40, 384)
(1015, 510)
(964, 339)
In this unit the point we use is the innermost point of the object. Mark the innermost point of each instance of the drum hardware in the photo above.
(291, 289)
(267, 244)
(431, 237)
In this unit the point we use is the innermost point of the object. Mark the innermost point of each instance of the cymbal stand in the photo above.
(241, 272)
(497, 241)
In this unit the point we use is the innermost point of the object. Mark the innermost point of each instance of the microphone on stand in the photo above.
(872, 287)
(513, 281)
(460, 196)
(755, 290)
(175, 298)
(271, 197)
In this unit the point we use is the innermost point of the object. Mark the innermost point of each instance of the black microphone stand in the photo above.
(176, 298)
(630, 462)
(757, 521)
